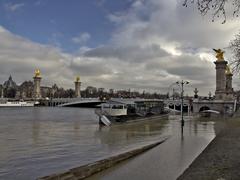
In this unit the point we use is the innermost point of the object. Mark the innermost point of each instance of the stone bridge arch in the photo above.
(204, 108)
(221, 106)
(176, 105)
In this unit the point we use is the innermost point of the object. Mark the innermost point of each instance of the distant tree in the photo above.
(70, 93)
(167, 95)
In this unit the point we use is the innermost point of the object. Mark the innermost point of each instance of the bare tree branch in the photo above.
(235, 47)
(218, 10)
(217, 7)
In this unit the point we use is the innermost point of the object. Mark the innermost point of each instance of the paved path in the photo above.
(221, 159)
(168, 160)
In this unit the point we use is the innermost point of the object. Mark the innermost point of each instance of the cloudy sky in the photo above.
(121, 44)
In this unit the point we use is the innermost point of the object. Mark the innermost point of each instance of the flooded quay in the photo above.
(36, 142)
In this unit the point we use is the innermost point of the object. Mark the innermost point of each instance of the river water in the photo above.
(39, 141)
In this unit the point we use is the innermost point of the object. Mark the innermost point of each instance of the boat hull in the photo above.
(16, 104)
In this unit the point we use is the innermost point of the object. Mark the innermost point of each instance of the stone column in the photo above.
(36, 88)
(220, 92)
(77, 87)
(37, 81)
(229, 89)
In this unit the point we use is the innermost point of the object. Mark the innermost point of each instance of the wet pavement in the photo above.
(36, 142)
(39, 141)
(168, 160)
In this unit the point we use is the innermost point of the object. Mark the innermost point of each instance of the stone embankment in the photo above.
(92, 168)
(221, 159)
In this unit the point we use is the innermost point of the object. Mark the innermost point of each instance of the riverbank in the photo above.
(85, 171)
(221, 158)
(170, 159)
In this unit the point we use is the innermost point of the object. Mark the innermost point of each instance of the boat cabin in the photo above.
(123, 107)
(114, 108)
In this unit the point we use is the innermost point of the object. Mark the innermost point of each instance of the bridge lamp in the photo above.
(182, 84)
(172, 88)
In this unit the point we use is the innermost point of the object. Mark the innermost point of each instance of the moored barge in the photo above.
(122, 110)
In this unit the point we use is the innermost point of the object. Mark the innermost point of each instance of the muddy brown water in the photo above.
(36, 142)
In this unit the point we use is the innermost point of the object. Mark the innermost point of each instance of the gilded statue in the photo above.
(78, 79)
(219, 54)
(37, 73)
(228, 70)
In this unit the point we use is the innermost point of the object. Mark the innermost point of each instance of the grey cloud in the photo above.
(89, 67)
(20, 57)
(139, 55)
(129, 53)
(171, 22)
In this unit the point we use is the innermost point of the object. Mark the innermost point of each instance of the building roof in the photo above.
(10, 83)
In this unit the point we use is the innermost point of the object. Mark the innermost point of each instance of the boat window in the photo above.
(117, 107)
(106, 106)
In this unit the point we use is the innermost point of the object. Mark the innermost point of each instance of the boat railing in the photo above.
(141, 113)
(100, 113)
(103, 113)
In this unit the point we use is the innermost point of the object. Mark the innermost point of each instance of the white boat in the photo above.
(105, 121)
(122, 110)
(211, 111)
(16, 104)
(114, 109)
(207, 113)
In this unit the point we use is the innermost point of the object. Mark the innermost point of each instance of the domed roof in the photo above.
(10, 83)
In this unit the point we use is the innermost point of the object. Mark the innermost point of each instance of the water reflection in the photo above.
(49, 140)
(35, 131)
(130, 132)
(168, 160)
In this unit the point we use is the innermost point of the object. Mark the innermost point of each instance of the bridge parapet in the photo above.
(176, 102)
(217, 105)
(67, 101)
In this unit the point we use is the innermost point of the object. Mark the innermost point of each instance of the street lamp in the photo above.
(182, 83)
(173, 89)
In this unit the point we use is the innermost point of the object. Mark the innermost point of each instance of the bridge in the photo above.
(176, 104)
(93, 102)
(74, 102)
(88, 102)
(224, 107)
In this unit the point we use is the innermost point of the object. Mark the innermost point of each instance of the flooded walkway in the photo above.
(221, 159)
(36, 142)
(168, 160)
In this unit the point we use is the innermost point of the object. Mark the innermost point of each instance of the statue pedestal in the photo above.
(37, 88)
(220, 92)
(77, 89)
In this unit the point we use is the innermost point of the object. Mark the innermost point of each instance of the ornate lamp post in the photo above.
(174, 90)
(209, 95)
(182, 83)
